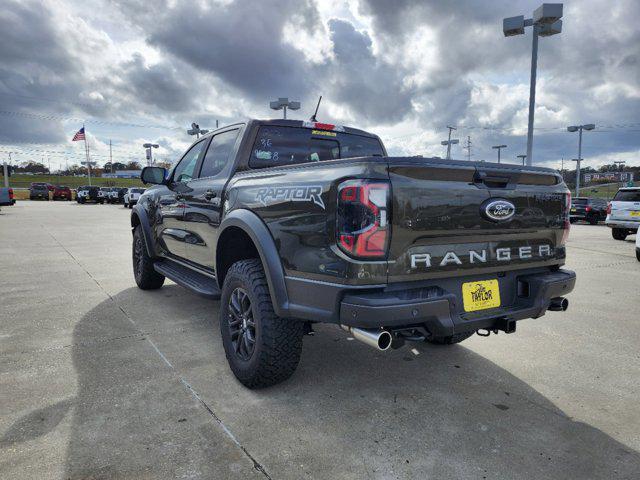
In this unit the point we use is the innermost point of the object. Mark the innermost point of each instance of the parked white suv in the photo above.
(623, 213)
(132, 196)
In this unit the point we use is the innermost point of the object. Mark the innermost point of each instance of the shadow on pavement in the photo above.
(348, 412)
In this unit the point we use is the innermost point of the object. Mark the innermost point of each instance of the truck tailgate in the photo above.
(441, 227)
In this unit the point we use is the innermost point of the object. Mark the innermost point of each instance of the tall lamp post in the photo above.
(577, 160)
(148, 147)
(579, 128)
(448, 144)
(522, 157)
(283, 103)
(499, 147)
(545, 22)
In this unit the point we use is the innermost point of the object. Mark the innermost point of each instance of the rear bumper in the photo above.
(437, 307)
(622, 224)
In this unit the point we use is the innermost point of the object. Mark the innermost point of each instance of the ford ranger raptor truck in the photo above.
(290, 223)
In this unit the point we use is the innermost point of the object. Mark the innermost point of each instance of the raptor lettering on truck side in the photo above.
(294, 193)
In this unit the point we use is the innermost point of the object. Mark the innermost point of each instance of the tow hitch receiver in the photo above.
(502, 324)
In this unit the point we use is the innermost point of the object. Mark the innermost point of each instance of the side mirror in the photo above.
(154, 175)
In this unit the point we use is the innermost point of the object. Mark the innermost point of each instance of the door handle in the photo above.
(210, 194)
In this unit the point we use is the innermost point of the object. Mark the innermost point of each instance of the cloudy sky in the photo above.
(136, 71)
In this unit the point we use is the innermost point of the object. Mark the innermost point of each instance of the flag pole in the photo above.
(86, 151)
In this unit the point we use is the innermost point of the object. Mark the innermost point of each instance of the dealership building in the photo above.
(123, 174)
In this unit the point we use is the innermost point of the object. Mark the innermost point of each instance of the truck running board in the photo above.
(188, 278)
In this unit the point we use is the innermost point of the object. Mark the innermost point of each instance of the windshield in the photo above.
(627, 196)
(291, 145)
(580, 201)
(137, 190)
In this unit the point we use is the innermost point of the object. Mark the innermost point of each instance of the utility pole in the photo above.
(449, 142)
(620, 163)
(468, 148)
(522, 157)
(110, 157)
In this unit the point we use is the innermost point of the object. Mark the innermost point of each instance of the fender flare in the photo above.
(143, 220)
(261, 237)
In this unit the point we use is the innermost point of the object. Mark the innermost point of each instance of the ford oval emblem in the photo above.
(498, 210)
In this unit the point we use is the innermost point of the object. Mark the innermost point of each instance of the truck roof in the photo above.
(281, 122)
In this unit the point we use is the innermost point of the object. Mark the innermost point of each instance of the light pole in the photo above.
(621, 163)
(579, 128)
(577, 160)
(499, 147)
(545, 22)
(522, 157)
(148, 147)
(283, 103)
(197, 131)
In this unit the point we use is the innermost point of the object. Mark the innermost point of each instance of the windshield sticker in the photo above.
(298, 193)
(263, 154)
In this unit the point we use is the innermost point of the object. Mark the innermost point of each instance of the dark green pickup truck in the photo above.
(291, 223)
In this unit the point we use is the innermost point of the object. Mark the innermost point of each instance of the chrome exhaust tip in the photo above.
(376, 338)
(558, 304)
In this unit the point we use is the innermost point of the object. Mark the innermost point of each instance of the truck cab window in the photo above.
(218, 154)
(185, 170)
(277, 145)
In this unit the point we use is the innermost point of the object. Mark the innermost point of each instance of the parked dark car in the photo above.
(592, 210)
(39, 190)
(61, 192)
(290, 223)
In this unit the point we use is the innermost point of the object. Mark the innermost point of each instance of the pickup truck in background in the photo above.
(291, 223)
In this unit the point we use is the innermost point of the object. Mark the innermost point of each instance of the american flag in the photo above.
(79, 135)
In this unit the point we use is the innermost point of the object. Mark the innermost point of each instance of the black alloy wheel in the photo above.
(241, 324)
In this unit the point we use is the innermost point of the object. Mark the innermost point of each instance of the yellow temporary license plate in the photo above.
(480, 295)
(635, 214)
(573, 210)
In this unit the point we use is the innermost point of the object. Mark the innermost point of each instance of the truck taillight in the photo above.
(566, 224)
(609, 208)
(587, 209)
(362, 228)
(11, 194)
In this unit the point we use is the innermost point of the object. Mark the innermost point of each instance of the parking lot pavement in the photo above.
(101, 380)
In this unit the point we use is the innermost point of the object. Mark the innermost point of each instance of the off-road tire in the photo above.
(638, 252)
(277, 341)
(619, 233)
(451, 339)
(145, 275)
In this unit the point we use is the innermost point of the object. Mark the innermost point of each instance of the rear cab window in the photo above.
(278, 145)
(627, 196)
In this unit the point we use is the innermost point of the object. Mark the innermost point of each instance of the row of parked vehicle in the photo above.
(126, 196)
(621, 214)
(86, 193)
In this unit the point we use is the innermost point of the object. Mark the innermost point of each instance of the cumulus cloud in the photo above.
(402, 68)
